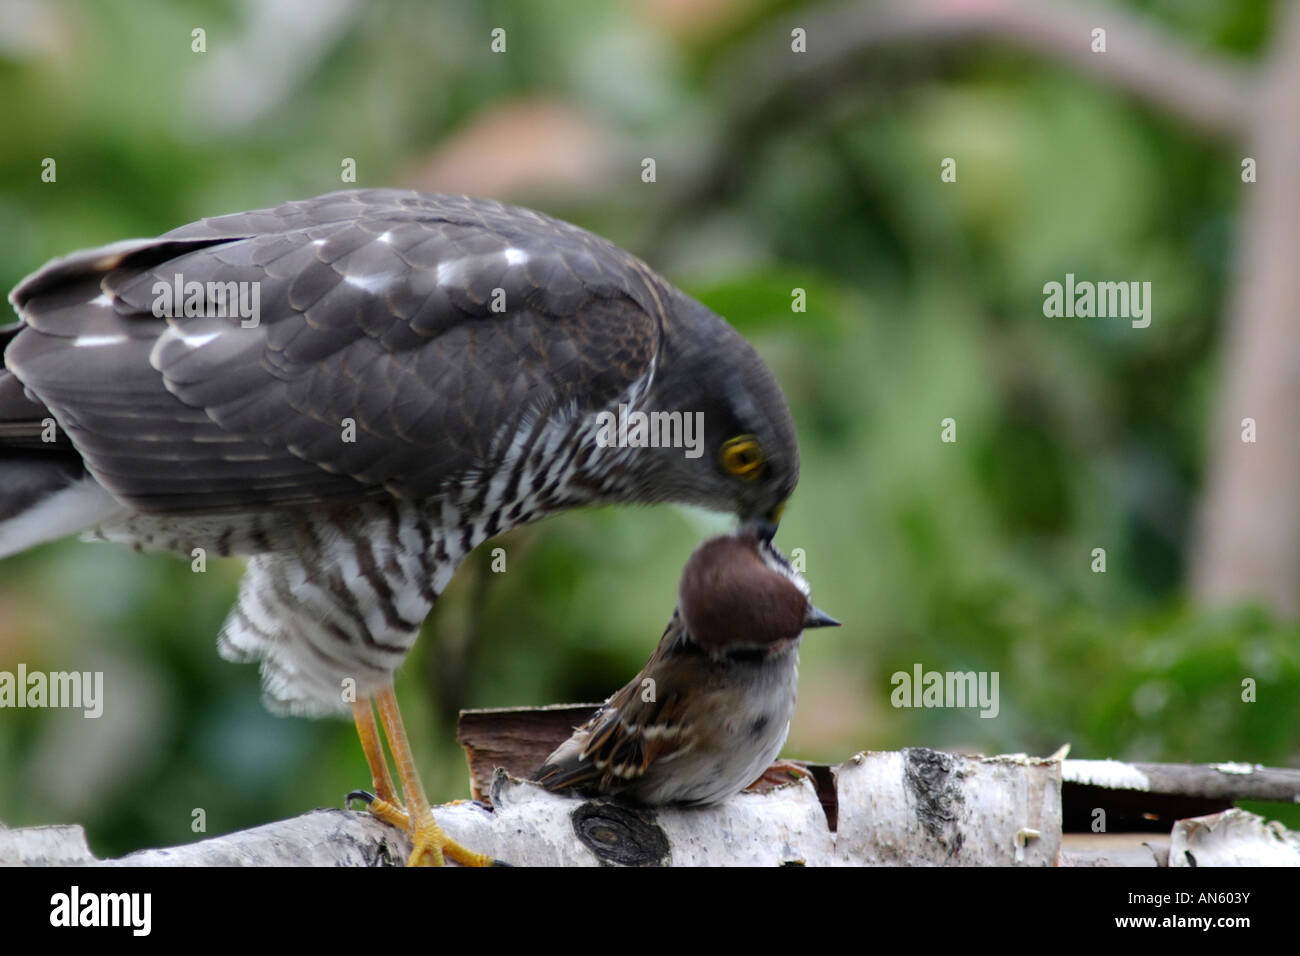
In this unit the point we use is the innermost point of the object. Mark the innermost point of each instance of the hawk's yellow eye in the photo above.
(742, 456)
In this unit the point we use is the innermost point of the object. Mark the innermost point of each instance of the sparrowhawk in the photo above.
(354, 391)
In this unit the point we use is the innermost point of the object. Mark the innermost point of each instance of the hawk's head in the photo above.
(747, 458)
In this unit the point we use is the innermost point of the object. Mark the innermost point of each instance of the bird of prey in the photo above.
(354, 391)
(710, 711)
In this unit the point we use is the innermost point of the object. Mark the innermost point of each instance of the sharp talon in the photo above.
(365, 796)
(432, 847)
(429, 845)
(390, 813)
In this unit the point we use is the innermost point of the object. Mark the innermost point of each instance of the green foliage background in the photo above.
(924, 302)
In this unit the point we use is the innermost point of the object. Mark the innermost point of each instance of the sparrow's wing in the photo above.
(638, 727)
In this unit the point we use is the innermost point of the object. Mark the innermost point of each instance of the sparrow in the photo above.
(710, 711)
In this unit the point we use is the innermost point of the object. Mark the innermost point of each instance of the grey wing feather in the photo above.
(375, 306)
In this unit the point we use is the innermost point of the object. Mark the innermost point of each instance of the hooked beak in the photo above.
(761, 528)
(765, 527)
(818, 618)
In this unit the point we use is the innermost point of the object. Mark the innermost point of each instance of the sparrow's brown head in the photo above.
(738, 592)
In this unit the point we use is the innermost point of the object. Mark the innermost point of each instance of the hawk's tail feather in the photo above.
(45, 492)
(44, 498)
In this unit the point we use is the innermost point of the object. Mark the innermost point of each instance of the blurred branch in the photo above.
(1206, 91)
(884, 46)
(1248, 542)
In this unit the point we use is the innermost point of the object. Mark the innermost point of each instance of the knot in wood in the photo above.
(620, 836)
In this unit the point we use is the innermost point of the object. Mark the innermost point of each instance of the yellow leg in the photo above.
(430, 843)
(385, 806)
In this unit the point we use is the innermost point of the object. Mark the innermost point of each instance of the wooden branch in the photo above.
(911, 807)
(1214, 781)
(516, 739)
(917, 806)
(1150, 798)
(318, 838)
(1231, 838)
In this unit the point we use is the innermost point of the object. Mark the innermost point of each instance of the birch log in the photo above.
(911, 807)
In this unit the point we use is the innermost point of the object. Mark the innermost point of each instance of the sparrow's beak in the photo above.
(818, 618)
